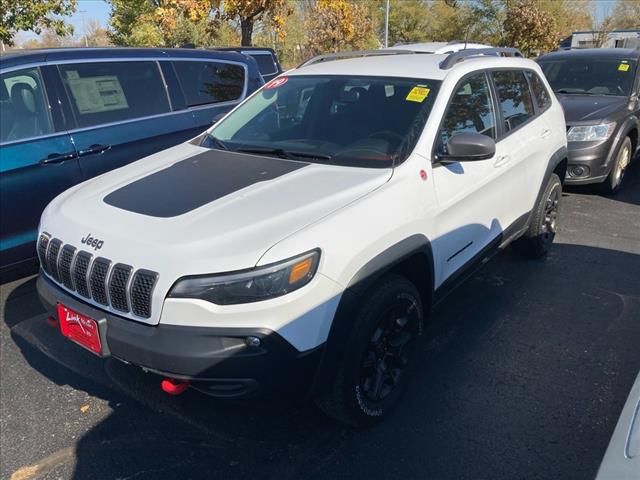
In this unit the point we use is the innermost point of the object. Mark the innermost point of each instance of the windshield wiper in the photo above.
(282, 153)
(571, 92)
(216, 142)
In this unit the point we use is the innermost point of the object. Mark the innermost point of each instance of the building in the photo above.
(614, 39)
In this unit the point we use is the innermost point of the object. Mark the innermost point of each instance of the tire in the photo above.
(537, 240)
(613, 182)
(374, 370)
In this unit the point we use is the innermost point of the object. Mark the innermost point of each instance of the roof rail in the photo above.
(356, 53)
(460, 55)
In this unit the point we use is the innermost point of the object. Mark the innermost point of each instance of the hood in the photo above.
(191, 210)
(590, 108)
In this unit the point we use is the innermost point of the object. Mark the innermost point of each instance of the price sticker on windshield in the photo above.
(418, 94)
(624, 67)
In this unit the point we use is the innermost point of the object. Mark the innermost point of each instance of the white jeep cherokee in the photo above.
(300, 243)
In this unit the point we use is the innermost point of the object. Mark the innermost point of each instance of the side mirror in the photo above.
(468, 147)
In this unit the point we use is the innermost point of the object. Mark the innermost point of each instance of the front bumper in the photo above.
(216, 360)
(589, 162)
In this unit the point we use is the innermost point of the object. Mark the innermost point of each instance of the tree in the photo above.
(570, 15)
(601, 30)
(35, 16)
(408, 21)
(96, 35)
(626, 14)
(150, 23)
(248, 12)
(336, 25)
(48, 39)
(529, 27)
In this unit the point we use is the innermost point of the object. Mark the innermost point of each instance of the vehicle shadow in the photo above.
(522, 374)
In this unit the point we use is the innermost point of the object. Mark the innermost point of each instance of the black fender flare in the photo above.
(361, 281)
(558, 157)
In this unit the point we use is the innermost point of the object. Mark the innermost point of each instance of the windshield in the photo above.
(590, 76)
(344, 120)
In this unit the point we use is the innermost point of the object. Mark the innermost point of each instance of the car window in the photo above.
(514, 98)
(591, 76)
(470, 110)
(540, 92)
(210, 82)
(106, 92)
(24, 112)
(346, 120)
(265, 62)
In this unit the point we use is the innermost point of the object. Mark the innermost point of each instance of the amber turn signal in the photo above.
(300, 270)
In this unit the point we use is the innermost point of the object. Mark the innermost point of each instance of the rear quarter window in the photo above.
(514, 97)
(265, 62)
(106, 92)
(210, 82)
(540, 93)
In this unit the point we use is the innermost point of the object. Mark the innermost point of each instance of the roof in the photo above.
(419, 65)
(440, 47)
(621, 53)
(23, 57)
(621, 30)
(243, 49)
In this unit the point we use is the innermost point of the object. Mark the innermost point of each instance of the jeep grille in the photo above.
(117, 286)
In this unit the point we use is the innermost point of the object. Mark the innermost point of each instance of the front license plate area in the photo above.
(80, 329)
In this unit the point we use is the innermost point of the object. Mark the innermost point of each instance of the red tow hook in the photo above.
(173, 386)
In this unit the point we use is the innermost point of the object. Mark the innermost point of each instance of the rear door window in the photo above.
(24, 111)
(265, 62)
(205, 83)
(107, 92)
(514, 98)
(540, 92)
(470, 110)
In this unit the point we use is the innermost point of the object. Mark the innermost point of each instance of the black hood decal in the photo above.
(196, 181)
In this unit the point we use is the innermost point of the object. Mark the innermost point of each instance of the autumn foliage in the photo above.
(335, 25)
(530, 28)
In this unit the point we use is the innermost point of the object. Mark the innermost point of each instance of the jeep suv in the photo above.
(299, 244)
(599, 90)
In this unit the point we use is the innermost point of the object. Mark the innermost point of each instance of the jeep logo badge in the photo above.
(94, 242)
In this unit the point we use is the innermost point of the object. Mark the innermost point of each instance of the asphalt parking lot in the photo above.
(523, 374)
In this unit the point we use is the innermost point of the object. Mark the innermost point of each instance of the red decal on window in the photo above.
(276, 82)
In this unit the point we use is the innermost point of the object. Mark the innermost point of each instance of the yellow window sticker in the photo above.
(418, 94)
(624, 67)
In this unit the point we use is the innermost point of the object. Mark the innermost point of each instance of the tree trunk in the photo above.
(246, 25)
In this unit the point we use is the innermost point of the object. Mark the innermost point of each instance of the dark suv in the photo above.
(598, 89)
(266, 58)
(67, 115)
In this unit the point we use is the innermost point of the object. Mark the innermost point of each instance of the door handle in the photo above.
(58, 158)
(94, 149)
(545, 133)
(503, 160)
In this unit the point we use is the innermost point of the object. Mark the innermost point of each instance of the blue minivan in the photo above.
(67, 115)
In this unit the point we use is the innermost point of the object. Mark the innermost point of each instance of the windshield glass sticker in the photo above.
(418, 94)
(276, 82)
(624, 67)
(97, 94)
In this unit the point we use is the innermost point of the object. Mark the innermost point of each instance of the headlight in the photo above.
(591, 133)
(252, 285)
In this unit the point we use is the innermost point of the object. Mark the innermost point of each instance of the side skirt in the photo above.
(513, 232)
